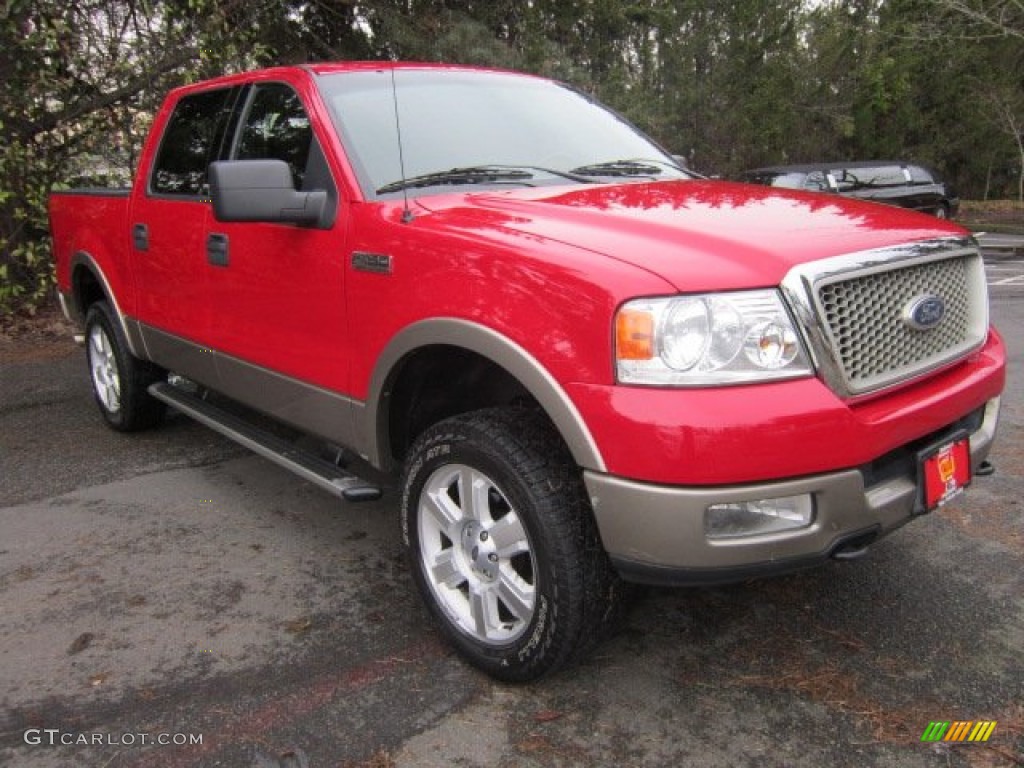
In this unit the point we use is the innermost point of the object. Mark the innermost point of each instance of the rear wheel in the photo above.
(502, 543)
(119, 379)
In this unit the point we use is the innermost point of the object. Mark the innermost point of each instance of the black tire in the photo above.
(516, 615)
(119, 379)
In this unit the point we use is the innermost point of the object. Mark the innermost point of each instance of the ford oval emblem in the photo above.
(924, 312)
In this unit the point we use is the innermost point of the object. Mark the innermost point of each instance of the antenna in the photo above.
(406, 211)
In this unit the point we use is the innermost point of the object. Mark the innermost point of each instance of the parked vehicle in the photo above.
(585, 366)
(896, 183)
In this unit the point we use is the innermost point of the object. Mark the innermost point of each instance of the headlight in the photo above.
(707, 340)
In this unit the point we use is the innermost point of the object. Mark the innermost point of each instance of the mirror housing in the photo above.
(263, 190)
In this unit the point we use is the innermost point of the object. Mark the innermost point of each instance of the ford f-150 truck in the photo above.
(587, 366)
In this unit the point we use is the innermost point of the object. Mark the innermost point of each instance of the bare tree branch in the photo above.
(999, 17)
(101, 100)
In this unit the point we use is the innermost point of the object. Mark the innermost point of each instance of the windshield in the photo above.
(456, 120)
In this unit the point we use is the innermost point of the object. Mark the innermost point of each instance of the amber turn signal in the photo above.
(634, 335)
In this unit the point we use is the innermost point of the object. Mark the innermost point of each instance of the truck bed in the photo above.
(90, 221)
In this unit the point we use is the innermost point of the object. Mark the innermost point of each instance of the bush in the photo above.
(26, 265)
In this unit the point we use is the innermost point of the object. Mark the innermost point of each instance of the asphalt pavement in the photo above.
(170, 587)
(995, 245)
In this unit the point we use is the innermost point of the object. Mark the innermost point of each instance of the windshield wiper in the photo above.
(477, 174)
(620, 168)
(480, 174)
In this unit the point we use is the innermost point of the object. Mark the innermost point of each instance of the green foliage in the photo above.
(80, 81)
(729, 85)
(25, 271)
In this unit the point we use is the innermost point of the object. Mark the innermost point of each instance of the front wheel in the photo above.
(502, 544)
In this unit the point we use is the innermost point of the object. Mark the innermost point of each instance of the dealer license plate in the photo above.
(945, 471)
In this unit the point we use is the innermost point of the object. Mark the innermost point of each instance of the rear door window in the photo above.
(875, 176)
(190, 142)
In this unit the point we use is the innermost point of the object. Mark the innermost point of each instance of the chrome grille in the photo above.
(865, 318)
(855, 310)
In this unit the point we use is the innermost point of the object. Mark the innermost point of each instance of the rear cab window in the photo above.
(919, 175)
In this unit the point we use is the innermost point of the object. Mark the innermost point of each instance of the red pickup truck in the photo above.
(588, 366)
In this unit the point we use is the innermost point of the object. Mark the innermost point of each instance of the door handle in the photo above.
(140, 237)
(217, 249)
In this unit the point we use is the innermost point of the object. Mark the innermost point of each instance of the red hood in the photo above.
(697, 235)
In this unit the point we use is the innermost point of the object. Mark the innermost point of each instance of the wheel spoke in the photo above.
(445, 570)
(509, 536)
(97, 347)
(439, 505)
(484, 609)
(517, 595)
(473, 490)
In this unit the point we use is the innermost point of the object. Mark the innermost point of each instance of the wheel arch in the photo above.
(503, 368)
(89, 284)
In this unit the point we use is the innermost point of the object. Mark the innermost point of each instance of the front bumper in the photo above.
(655, 533)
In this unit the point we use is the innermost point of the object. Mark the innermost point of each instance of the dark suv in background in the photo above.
(904, 184)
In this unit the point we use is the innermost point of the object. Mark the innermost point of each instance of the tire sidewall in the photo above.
(531, 653)
(99, 315)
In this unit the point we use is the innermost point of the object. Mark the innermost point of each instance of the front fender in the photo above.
(371, 420)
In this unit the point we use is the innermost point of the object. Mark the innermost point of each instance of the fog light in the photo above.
(753, 518)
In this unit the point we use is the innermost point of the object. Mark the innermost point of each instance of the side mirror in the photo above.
(263, 190)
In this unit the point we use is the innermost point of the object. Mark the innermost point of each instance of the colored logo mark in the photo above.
(924, 312)
(947, 466)
(959, 730)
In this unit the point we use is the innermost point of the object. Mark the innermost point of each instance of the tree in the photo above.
(1007, 112)
(998, 25)
(988, 18)
(963, 59)
(730, 85)
(78, 85)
